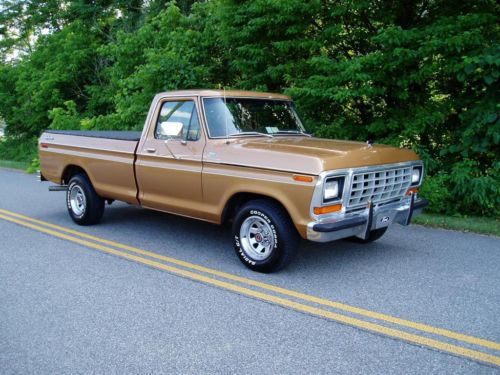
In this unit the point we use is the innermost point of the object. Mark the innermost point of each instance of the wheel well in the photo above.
(239, 199)
(70, 171)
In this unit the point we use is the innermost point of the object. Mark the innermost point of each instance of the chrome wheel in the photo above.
(77, 200)
(257, 238)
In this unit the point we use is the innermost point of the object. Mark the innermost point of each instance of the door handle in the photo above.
(151, 149)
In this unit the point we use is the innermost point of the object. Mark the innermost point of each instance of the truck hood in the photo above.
(306, 155)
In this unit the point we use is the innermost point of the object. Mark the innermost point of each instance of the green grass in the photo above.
(24, 165)
(483, 225)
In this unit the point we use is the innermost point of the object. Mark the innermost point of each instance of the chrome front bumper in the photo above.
(361, 223)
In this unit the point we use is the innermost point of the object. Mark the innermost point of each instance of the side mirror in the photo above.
(171, 129)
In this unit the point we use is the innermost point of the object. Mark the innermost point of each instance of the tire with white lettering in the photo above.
(265, 238)
(373, 236)
(84, 205)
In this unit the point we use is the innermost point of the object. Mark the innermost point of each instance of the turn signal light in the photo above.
(301, 178)
(327, 209)
(412, 190)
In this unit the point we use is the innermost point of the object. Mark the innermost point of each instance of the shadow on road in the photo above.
(214, 241)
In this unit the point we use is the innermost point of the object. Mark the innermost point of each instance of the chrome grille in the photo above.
(379, 185)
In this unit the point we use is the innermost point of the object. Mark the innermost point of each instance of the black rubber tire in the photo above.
(374, 236)
(287, 238)
(94, 207)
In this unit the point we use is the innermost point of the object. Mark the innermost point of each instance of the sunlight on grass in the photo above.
(23, 165)
(483, 225)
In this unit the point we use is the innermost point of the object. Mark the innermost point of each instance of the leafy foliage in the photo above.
(419, 74)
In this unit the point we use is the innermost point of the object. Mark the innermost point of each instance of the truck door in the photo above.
(169, 158)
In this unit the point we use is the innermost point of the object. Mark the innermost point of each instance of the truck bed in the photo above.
(107, 134)
(106, 156)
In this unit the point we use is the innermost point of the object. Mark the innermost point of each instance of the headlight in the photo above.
(333, 189)
(416, 174)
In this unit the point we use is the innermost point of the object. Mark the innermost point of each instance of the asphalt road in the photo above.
(68, 306)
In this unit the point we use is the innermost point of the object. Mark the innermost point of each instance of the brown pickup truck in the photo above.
(243, 157)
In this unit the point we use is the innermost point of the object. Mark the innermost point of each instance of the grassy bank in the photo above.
(483, 225)
(23, 165)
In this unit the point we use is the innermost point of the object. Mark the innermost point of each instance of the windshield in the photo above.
(253, 117)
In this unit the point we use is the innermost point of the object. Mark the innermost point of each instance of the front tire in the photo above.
(265, 238)
(84, 205)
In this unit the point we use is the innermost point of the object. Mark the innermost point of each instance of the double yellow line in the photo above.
(260, 291)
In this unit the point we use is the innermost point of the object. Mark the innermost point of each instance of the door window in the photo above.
(178, 121)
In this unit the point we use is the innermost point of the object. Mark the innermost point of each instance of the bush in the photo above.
(65, 118)
(18, 149)
(474, 191)
(437, 190)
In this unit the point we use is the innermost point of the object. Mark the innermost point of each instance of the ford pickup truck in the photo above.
(240, 157)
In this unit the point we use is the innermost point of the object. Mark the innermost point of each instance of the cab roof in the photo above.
(221, 93)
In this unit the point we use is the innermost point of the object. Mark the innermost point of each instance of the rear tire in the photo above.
(84, 205)
(265, 238)
(373, 236)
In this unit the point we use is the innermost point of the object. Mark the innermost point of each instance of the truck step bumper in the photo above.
(58, 188)
(361, 224)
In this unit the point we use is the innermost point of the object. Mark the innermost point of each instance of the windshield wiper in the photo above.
(298, 132)
(249, 134)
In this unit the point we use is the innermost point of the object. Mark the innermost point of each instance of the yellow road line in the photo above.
(450, 348)
(305, 297)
